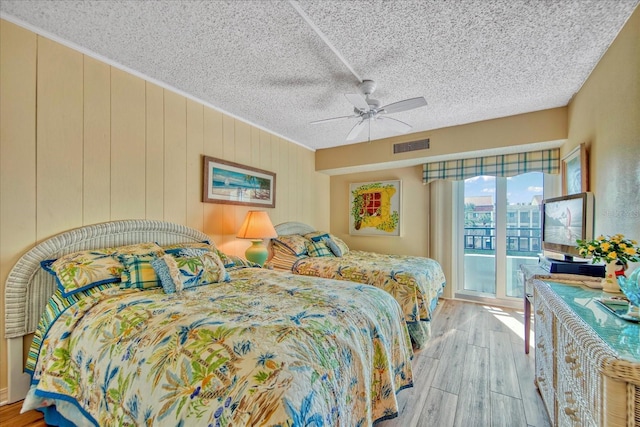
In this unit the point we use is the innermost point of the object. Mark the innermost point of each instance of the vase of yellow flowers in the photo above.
(616, 251)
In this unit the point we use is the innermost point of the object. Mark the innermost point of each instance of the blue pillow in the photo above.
(333, 246)
(329, 242)
(320, 237)
(189, 270)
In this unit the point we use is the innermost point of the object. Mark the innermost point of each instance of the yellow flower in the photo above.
(610, 249)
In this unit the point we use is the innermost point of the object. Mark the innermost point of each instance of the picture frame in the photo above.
(235, 184)
(375, 208)
(575, 173)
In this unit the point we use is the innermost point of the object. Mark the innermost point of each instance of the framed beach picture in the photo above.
(575, 173)
(235, 184)
(375, 208)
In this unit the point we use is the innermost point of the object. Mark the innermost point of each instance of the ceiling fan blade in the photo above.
(394, 124)
(353, 116)
(358, 101)
(355, 131)
(405, 105)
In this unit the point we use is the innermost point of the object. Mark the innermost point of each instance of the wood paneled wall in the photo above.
(83, 142)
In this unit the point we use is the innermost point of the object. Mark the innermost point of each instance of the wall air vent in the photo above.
(405, 147)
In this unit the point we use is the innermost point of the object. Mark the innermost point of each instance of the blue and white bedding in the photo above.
(264, 348)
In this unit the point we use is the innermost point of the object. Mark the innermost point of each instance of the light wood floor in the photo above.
(473, 372)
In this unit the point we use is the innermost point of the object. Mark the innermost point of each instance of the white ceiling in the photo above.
(262, 62)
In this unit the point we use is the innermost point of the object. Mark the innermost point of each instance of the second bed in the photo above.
(415, 282)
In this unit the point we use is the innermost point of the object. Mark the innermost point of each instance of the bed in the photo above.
(234, 344)
(415, 282)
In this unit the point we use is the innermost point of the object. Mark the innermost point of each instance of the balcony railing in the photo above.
(525, 240)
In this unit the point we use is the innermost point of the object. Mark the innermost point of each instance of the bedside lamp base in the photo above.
(257, 252)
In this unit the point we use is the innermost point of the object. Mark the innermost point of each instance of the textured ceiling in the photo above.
(262, 62)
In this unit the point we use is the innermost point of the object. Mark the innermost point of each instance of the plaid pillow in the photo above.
(317, 236)
(138, 272)
(318, 249)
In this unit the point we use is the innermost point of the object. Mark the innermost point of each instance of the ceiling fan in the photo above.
(367, 110)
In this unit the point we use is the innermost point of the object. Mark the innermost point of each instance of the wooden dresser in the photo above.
(587, 359)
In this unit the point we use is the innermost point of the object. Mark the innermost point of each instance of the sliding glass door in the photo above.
(499, 227)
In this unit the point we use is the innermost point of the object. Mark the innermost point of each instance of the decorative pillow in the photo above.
(204, 244)
(283, 259)
(344, 249)
(333, 246)
(149, 248)
(138, 271)
(189, 270)
(82, 270)
(318, 249)
(239, 262)
(328, 239)
(317, 236)
(227, 260)
(176, 247)
(294, 242)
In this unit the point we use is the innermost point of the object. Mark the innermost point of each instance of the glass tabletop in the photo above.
(623, 336)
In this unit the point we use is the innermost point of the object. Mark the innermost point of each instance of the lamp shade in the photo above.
(257, 225)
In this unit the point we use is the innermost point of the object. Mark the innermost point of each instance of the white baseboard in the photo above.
(4, 396)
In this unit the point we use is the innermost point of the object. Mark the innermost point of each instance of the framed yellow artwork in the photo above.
(375, 208)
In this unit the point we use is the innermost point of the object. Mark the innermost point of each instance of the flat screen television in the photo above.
(564, 220)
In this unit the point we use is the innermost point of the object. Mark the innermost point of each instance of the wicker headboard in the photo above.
(293, 227)
(29, 287)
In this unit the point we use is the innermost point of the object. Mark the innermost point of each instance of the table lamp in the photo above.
(257, 226)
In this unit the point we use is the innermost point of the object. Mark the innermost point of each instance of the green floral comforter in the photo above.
(267, 348)
(415, 282)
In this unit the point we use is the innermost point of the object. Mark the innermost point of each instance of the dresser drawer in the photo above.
(578, 371)
(543, 316)
(572, 408)
(544, 382)
(544, 351)
(584, 372)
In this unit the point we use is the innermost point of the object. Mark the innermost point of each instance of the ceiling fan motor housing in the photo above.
(367, 87)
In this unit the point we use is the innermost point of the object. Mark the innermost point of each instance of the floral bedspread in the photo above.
(267, 348)
(415, 282)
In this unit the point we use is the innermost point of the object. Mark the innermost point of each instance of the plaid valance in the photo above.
(547, 161)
